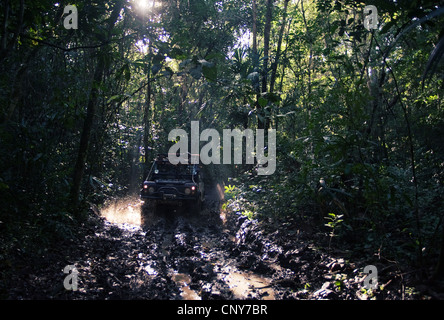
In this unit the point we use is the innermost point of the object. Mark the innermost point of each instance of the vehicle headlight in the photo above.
(151, 190)
(187, 191)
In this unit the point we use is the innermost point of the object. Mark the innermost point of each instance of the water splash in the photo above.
(123, 211)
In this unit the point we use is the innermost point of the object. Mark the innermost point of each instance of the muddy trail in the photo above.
(175, 254)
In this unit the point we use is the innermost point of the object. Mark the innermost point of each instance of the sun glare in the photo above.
(142, 47)
(144, 5)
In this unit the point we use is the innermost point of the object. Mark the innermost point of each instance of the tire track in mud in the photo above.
(193, 247)
(192, 255)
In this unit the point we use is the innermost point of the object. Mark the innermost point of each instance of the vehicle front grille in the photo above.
(168, 190)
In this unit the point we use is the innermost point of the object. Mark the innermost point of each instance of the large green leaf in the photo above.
(262, 102)
(210, 73)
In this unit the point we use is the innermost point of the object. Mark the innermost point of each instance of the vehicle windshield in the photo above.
(166, 170)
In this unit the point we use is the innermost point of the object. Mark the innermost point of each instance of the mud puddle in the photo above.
(247, 285)
(183, 281)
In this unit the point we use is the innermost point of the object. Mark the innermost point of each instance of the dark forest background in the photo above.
(358, 114)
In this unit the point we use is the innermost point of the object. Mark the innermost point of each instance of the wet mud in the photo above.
(132, 252)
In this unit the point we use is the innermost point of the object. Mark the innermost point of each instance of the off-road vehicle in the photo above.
(171, 184)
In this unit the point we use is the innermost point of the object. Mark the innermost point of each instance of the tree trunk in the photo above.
(254, 30)
(278, 51)
(86, 133)
(263, 122)
(5, 45)
(146, 117)
(267, 29)
(79, 167)
(255, 58)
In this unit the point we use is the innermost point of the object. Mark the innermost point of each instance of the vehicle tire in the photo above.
(154, 206)
(196, 206)
(150, 206)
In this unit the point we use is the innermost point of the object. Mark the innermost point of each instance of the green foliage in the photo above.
(334, 222)
(230, 192)
(344, 119)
